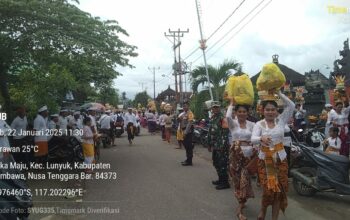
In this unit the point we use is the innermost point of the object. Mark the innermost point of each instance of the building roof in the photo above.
(166, 93)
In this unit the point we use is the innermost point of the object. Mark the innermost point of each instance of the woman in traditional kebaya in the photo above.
(339, 118)
(272, 164)
(241, 154)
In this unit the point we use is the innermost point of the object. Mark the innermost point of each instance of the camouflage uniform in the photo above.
(218, 140)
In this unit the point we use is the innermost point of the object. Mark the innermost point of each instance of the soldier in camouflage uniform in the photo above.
(218, 144)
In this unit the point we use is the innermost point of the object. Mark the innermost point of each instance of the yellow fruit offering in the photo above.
(271, 77)
(241, 89)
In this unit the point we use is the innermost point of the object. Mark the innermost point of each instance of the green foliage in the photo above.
(142, 98)
(37, 87)
(197, 104)
(217, 75)
(35, 34)
(106, 94)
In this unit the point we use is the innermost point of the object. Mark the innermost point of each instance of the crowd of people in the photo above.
(51, 129)
(243, 147)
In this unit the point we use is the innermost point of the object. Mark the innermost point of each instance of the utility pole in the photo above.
(154, 80)
(178, 65)
(175, 73)
(188, 68)
(203, 47)
(141, 83)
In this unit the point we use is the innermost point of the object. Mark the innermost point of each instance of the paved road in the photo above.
(152, 185)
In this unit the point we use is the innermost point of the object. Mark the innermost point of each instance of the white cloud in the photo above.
(303, 33)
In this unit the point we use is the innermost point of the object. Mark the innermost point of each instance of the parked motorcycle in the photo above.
(65, 148)
(314, 138)
(311, 136)
(200, 133)
(18, 203)
(197, 134)
(321, 172)
(204, 137)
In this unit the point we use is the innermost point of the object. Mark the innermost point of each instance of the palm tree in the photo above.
(217, 75)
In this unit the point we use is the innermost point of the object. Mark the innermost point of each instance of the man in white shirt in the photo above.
(105, 121)
(70, 116)
(105, 125)
(40, 139)
(19, 124)
(162, 124)
(75, 122)
(130, 124)
(53, 123)
(53, 126)
(92, 115)
(63, 121)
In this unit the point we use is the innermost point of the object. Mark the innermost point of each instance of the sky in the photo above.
(304, 33)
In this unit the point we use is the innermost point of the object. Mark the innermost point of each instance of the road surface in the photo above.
(152, 184)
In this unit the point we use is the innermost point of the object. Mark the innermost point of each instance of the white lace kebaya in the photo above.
(276, 133)
(240, 134)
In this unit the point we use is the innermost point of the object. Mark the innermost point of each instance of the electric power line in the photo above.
(220, 26)
(226, 19)
(240, 29)
(247, 15)
(193, 51)
(218, 41)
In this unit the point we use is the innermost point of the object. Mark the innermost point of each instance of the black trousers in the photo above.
(162, 128)
(220, 162)
(188, 147)
(130, 130)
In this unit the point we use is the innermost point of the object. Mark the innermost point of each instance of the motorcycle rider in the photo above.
(119, 120)
(130, 124)
(105, 124)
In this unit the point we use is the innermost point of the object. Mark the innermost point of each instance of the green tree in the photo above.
(217, 75)
(197, 104)
(38, 87)
(35, 34)
(105, 95)
(142, 98)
